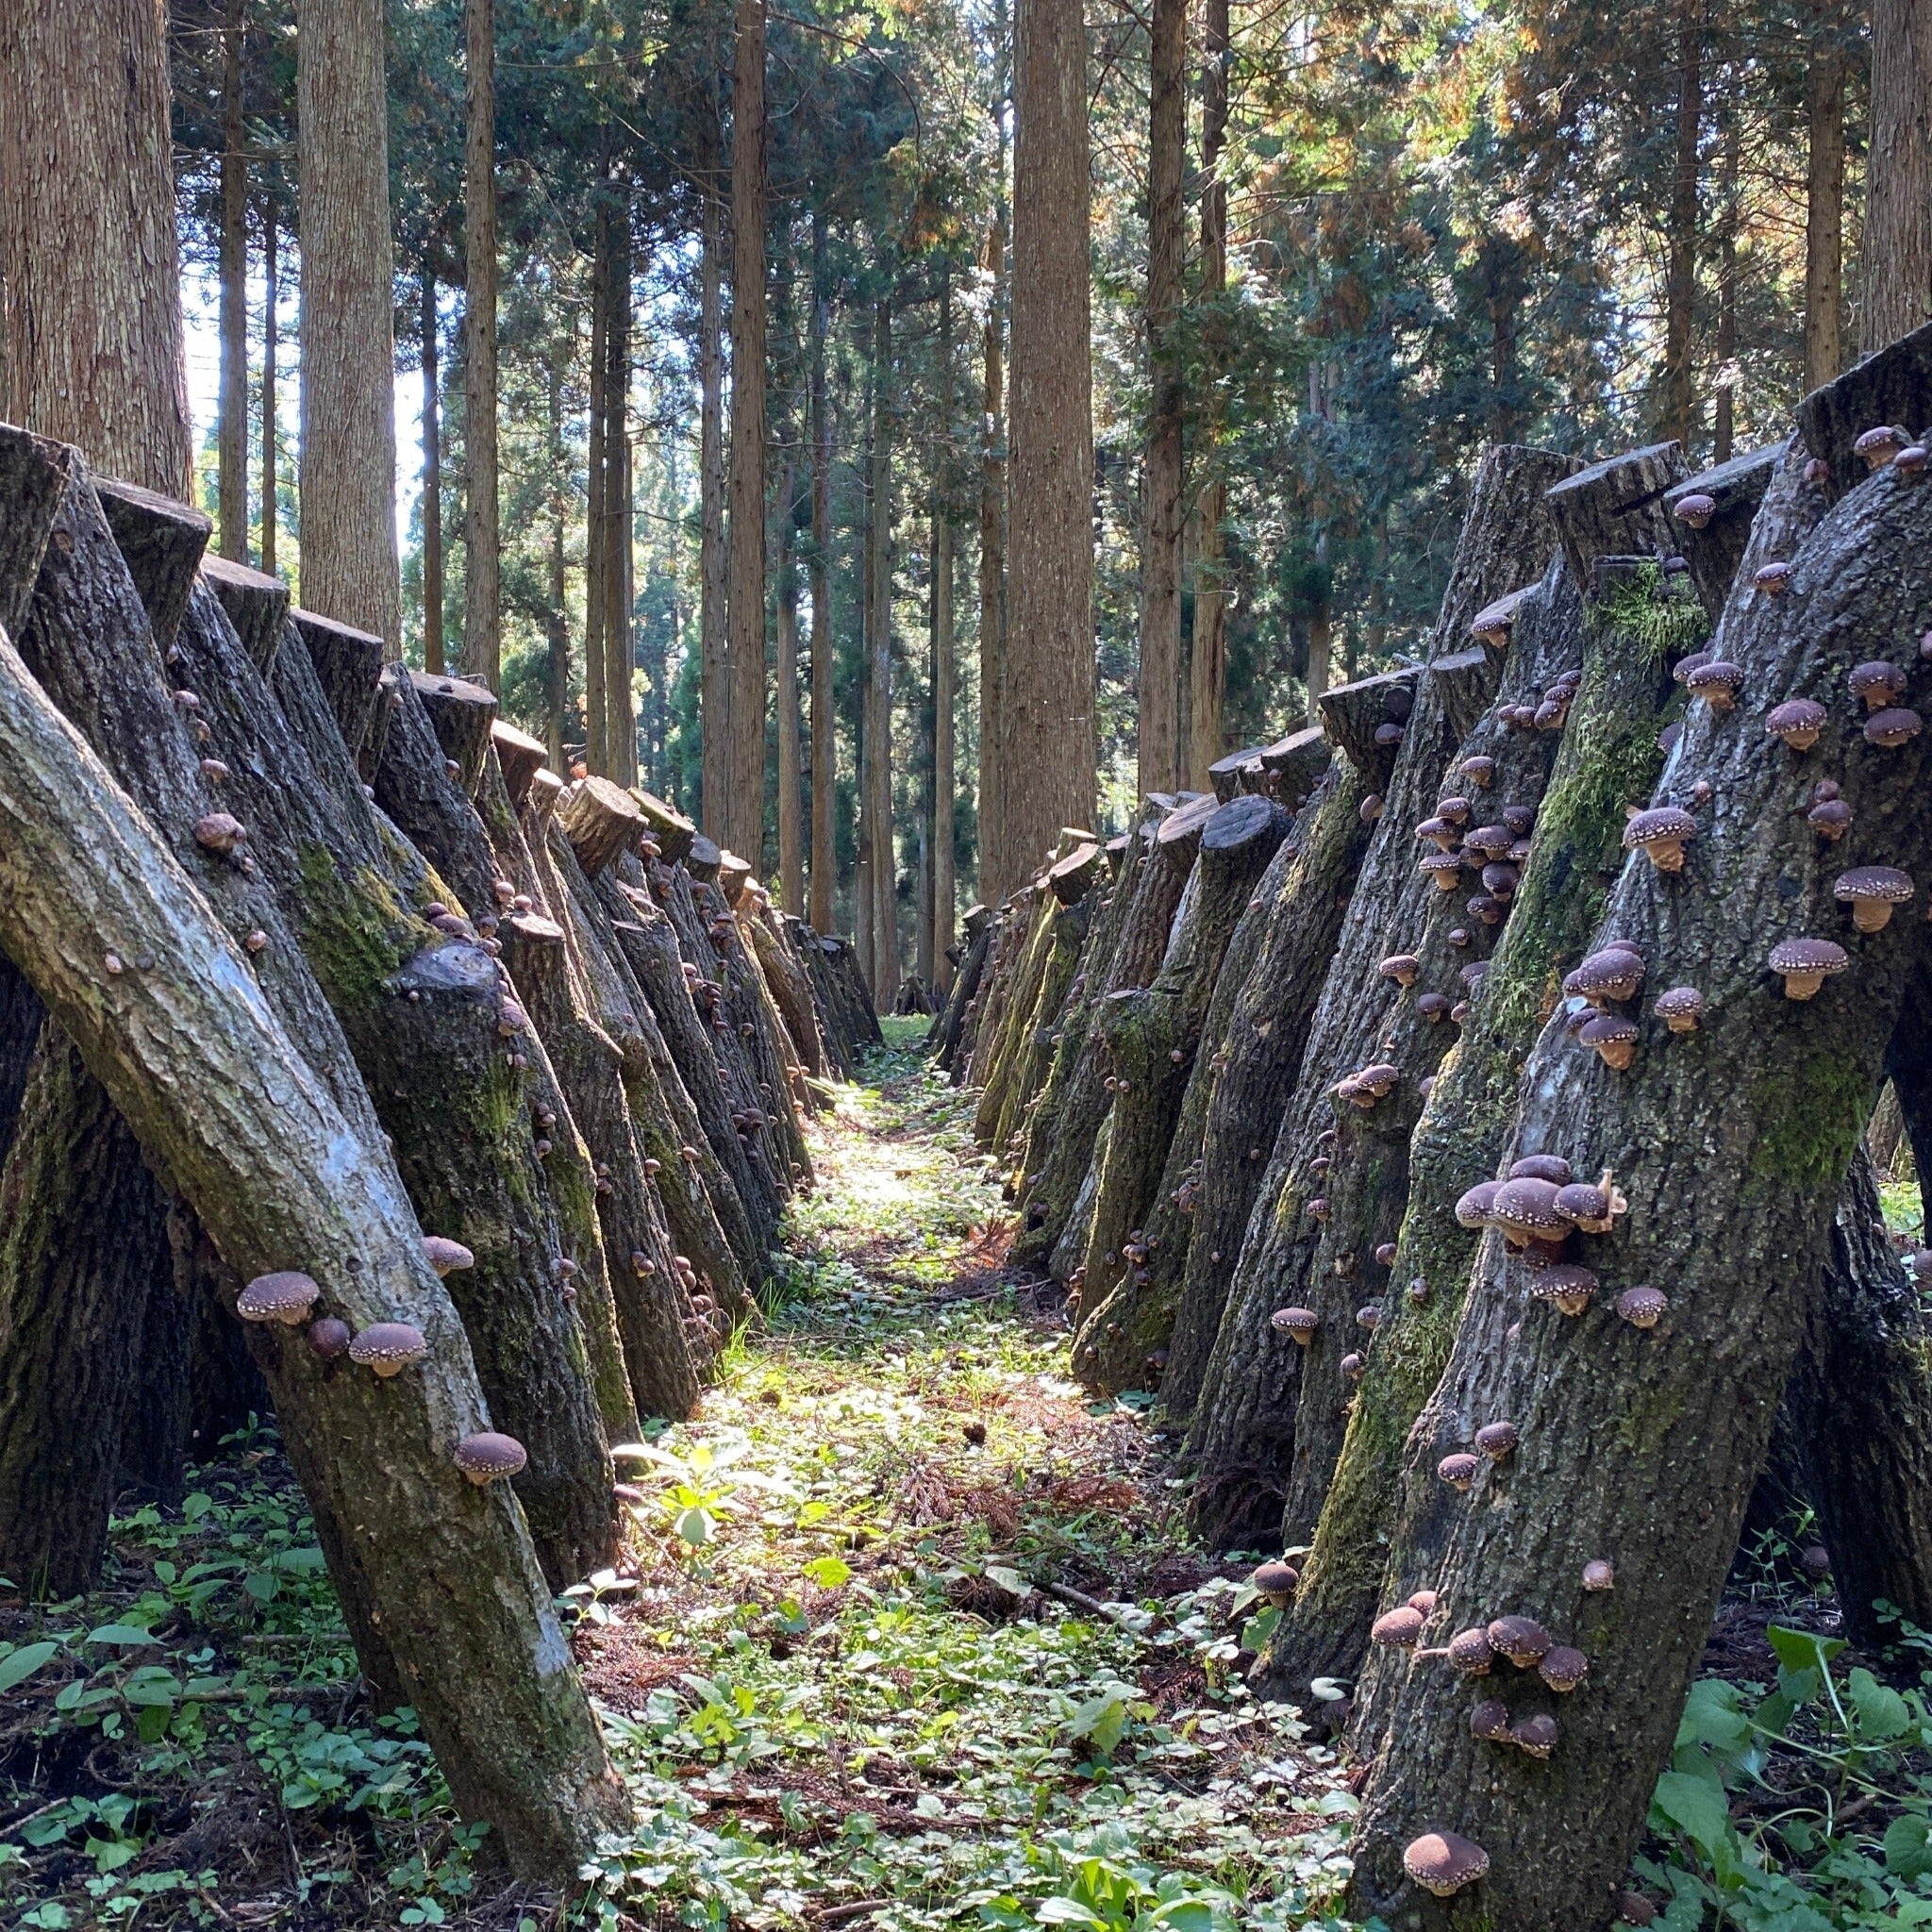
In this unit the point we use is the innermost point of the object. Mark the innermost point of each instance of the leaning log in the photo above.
(192, 1054)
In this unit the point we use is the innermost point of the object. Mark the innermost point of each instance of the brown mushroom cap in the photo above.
(1661, 833)
(1872, 891)
(1564, 1668)
(1610, 974)
(1569, 1287)
(1424, 1601)
(1401, 967)
(1380, 1078)
(1479, 770)
(1643, 1306)
(511, 1019)
(1536, 1736)
(1877, 682)
(1771, 578)
(1399, 1628)
(1470, 1652)
(1892, 728)
(1633, 1909)
(1695, 509)
(446, 1257)
(1689, 661)
(329, 1336)
(1299, 1325)
(1459, 1470)
(220, 831)
(1474, 1207)
(1830, 818)
(1599, 1575)
(285, 1297)
(1440, 831)
(1527, 1209)
(1716, 681)
(1432, 1006)
(1456, 809)
(1521, 1640)
(1613, 1037)
(1680, 1009)
(1497, 1439)
(1806, 964)
(1352, 1366)
(1879, 446)
(388, 1347)
(486, 1455)
(1275, 1580)
(1540, 1167)
(1445, 868)
(1443, 1863)
(1489, 1719)
(1798, 722)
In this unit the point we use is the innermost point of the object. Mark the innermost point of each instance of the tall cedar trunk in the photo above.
(482, 555)
(824, 717)
(271, 437)
(993, 549)
(215, 1086)
(91, 346)
(740, 820)
(1246, 1429)
(348, 384)
(864, 899)
(432, 484)
(884, 921)
(614, 527)
(790, 831)
(1674, 402)
(1161, 747)
(946, 673)
(1825, 212)
(1860, 1407)
(1208, 656)
(1321, 640)
(1048, 741)
(1724, 428)
(713, 667)
(1608, 757)
(1151, 1036)
(1910, 1067)
(596, 552)
(231, 441)
(1648, 1460)
(557, 617)
(1896, 279)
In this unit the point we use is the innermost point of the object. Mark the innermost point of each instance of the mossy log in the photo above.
(1040, 961)
(426, 802)
(1607, 759)
(1150, 1035)
(191, 1050)
(1639, 1447)
(1243, 1430)
(1030, 1058)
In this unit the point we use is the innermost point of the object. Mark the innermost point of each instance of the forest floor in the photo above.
(906, 1633)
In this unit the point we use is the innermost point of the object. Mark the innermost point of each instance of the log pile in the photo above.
(332, 1020)
(1455, 1128)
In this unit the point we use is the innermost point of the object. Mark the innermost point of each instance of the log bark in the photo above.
(947, 1029)
(163, 543)
(1897, 241)
(1616, 509)
(1714, 551)
(1894, 387)
(415, 788)
(348, 666)
(1246, 1422)
(193, 1055)
(1647, 1459)
(1150, 1035)
(1607, 759)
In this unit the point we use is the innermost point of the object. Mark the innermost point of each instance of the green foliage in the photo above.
(1663, 614)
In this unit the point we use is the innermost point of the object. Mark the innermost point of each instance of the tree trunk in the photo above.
(740, 820)
(432, 484)
(482, 557)
(1825, 212)
(1724, 426)
(1246, 1425)
(557, 617)
(91, 343)
(1648, 1461)
(596, 506)
(945, 772)
(825, 716)
(614, 525)
(187, 1043)
(979, 929)
(1161, 747)
(1048, 746)
(271, 434)
(1675, 411)
(1207, 658)
(348, 381)
(1607, 759)
(1895, 280)
(714, 661)
(231, 441)
(790, 831)
(1151, 1038)
(993, 548)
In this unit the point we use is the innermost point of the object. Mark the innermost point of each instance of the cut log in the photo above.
(1892, 387)
(33, 479)
(1713, 540)
(668, 826)
(414, 785)
(163, 542)
(601, 822)
(1150, 1035)
(1245, 1424)
(348, 666)
(1616, 508)
(1228, 775)
(1365, 721)
(1732, 1154)
(193, 1055)
(944, 1039)
(1036, 1039)
(256, 606)
(1607, 759)
(790, 985)
(520, 758)
(1296, 764)
(463, 714)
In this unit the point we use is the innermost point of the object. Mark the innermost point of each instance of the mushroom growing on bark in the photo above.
(1298, 1324)
(1443, 1863)
(329, 1336)
(1643, 1307)
(1680, 1009)
(1879, 683)
(1472, 1653)
(1497, 1439)
(1521, 1640)
(1695, 509)
(1773, 578)
(1564, 1668)
(1599, 1575)
(1614, 1039)
(1479, 770)
(1830, 817)
(1402, 968)
(388, 1347)
(1526, 1210)
(219, 832)
(1872, 891)
(1475, 1208)
(1881, 446)
(1613, 974)
(285, 1297)
(1540, 1167)
(1804, 965)
(1566, 1287)
(486, 1455)
(1716, 682)
(1594, 1206)
(446, 1257)
(1459, 1470)
(1661, 834)
(1891, 730)
(1399, 1628)
(1798, 722)
(1536, 1736)
(1275, 1581)
(1488, 1719)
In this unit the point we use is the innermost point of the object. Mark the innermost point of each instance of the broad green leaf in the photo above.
(119, 1633)
(1711, 1715)
(1881, 1712)
(1908, 1846)
(1802, 1650)
(1695, 1806)
(19, 1665)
